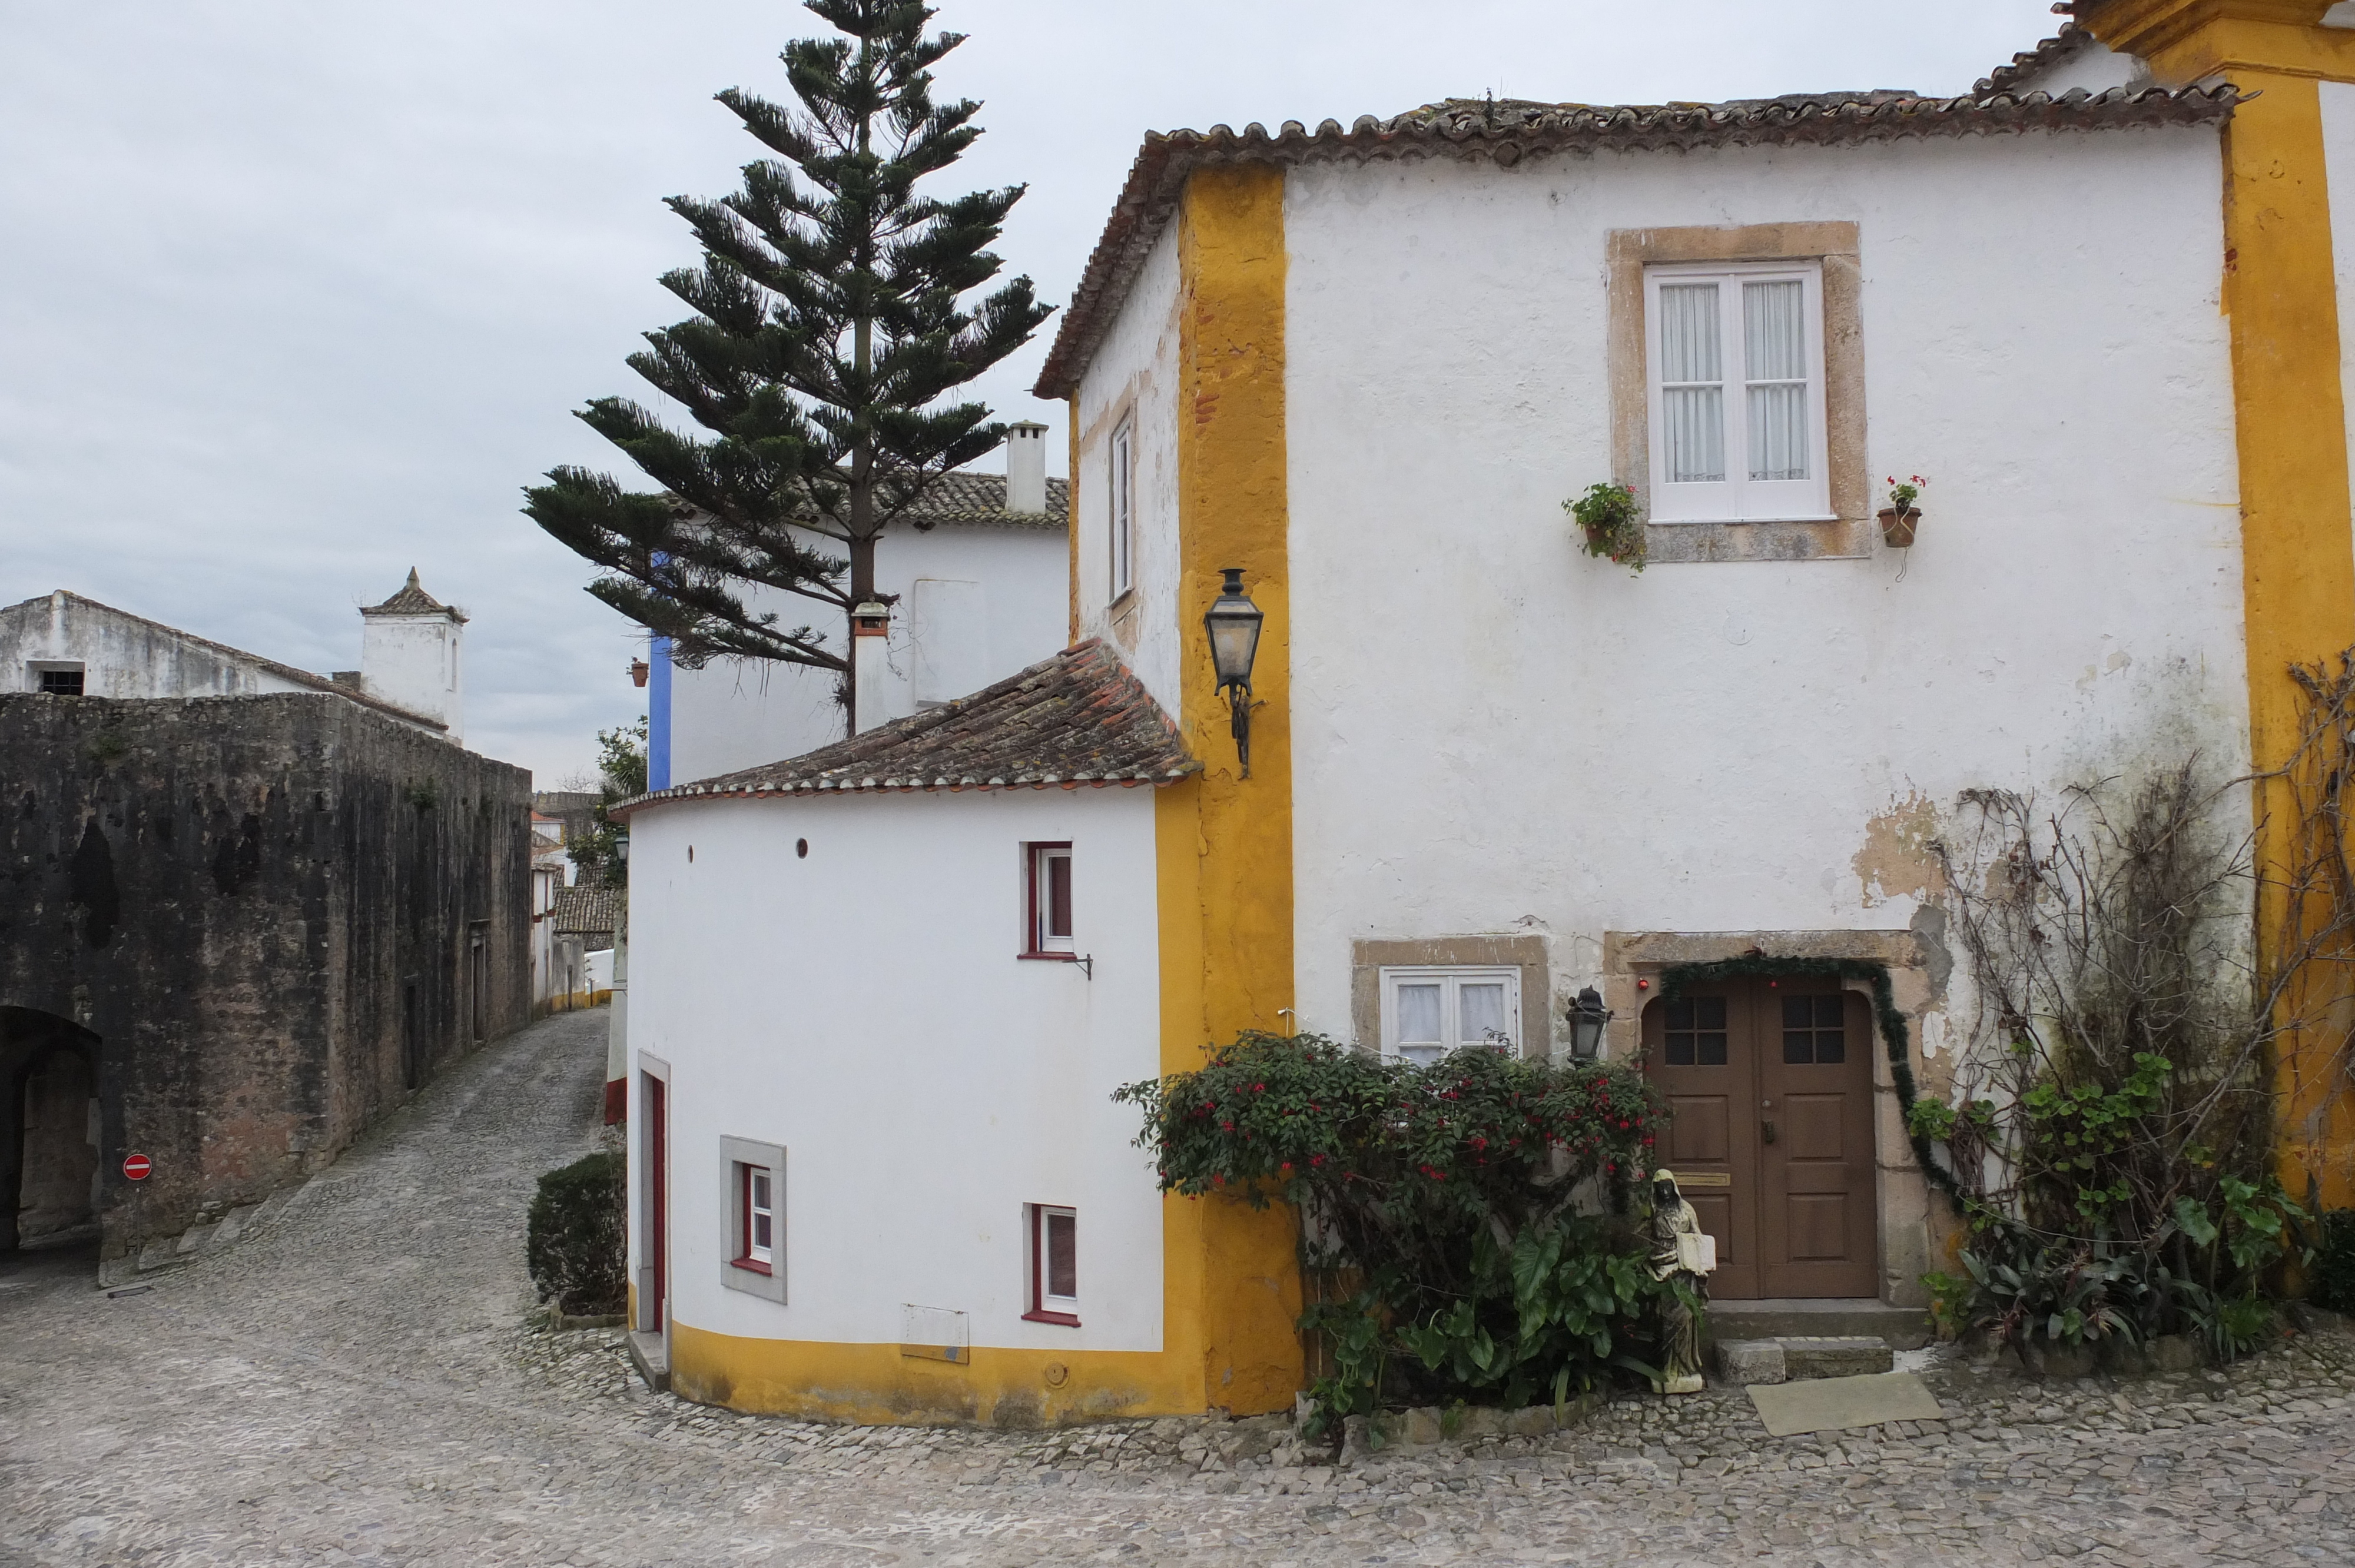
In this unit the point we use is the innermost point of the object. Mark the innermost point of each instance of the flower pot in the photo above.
(1897, 527)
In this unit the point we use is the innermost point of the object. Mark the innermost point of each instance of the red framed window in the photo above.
(1054, 1266)
(757, 1204)
(1047, 901)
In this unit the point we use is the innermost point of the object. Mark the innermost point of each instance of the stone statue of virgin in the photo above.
(1681, 1253)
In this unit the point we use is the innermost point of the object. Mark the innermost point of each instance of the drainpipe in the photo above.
(870, 628)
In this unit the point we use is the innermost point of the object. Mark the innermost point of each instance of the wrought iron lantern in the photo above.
(1233, 623)
(1587, 1017)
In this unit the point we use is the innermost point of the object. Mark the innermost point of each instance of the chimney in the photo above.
(870, 644)
(1026, 467)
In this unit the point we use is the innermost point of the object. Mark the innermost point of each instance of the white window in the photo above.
(1049, 900)
(1426, 1013)
(1054, 1258)
(1124, 509)
(1737, 392)
(754, 1260)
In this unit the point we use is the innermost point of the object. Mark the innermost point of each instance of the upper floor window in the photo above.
(1736, 392)
(1427, 1012)
(1048, 896)
(1124, 508)
(57, 679)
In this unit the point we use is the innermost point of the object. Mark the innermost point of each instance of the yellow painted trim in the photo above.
(877, 1385)
(2297, 543)
(1071, 510)
(1224, 842)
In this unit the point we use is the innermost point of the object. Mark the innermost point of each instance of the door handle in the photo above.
(1766, 1131)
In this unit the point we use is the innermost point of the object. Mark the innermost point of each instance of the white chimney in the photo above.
(870, 665)
(409, 656)
(1026, 467)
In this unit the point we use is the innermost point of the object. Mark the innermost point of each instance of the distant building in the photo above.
(581, 923)
(250, 909)
(979, 577)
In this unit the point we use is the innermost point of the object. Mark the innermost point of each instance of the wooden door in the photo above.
(655, 1105)
(1816, 1187)
(1769, 1088)
(1699, 1051)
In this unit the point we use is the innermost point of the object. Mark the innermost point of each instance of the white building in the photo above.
(979, 579)
(72, 646)
(1367, 365)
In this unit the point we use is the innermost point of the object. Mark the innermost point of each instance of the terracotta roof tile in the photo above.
(2070, 39)
(584, 912)
(412, 600)
(1077, 718)
(1503, 131)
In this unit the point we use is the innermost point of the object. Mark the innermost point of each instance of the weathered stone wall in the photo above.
(273, 912)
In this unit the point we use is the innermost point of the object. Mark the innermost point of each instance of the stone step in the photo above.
(1795, 1357)
(651, 1355)
(1906, 1327)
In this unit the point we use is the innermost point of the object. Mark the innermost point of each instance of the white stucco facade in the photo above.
(976, 603)
(862, 1007)
(1493, 732)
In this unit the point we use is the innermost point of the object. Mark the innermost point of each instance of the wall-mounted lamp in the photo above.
(622, 847)
(1587, 1017)
(1233, 622)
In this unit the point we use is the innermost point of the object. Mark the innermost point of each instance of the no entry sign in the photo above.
(136, 1166)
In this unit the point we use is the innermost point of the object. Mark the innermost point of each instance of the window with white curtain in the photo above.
(1427, 1012)
(1737, 392)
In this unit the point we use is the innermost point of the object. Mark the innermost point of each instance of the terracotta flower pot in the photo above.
(1897, 527)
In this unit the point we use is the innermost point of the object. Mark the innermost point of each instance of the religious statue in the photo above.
(1682, 1253)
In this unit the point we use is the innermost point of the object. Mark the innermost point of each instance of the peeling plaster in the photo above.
(1896, 862)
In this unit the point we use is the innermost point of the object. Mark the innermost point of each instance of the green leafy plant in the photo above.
(1441, 1198)
(1951, 1295)
(574, 1237)
(1614, 525)
(1904, 493)
(2333, 1274)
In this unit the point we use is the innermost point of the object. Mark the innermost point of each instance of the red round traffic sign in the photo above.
(136, 1167)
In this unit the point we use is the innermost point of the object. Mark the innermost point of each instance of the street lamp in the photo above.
(1587, 1017)
(1233, 622)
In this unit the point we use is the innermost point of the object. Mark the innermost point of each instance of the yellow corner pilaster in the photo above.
(2297, 544)
(1224, 842)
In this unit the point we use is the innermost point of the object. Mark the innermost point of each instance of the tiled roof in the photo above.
(1503, 131)
(412, 600)
(978, 501)
(583, 912)
(1077, 718)
(283, 672)
(2070, 39)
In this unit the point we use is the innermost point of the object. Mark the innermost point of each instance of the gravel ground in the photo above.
(358, 1382)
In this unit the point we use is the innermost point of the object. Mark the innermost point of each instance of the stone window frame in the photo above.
(735, 1153)
(1834, 246)
(1369, 957)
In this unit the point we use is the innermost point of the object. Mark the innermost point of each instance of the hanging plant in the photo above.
(1614, 525)
(1901, 517)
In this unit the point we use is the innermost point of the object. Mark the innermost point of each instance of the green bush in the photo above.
(575, 1237)
(2334, 1262)
(1438, 1204)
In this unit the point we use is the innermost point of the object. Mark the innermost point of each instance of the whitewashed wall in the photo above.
(124, 656)
(863, 1008)
(740, 712)
(1493, 732)
(1135, 374)
(416, 662)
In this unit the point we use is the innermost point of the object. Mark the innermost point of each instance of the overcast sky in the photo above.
(295, 296)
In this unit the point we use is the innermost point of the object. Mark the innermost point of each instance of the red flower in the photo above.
(1226, 1127)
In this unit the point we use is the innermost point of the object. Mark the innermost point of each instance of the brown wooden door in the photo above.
(1769, 1087)
(1700, 1050)
(1815, 1186)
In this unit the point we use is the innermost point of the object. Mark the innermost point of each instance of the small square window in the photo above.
(754, 1260)
(1812, 1031)
(57, 679)
(1054, 1242)
(1047, 901)
(1426, 1013)
(1695, 1032)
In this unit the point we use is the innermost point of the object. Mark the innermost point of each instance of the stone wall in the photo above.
(278, 914)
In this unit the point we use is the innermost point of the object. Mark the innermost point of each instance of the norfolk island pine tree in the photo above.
(832, 320)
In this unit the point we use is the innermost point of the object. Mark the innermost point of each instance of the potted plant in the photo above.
(1901, 517)
(1614, 525)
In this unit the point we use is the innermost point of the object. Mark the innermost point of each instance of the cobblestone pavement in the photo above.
(356, 1383)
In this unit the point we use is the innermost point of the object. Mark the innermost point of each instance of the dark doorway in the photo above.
(478, 980)
(412, 1038)
(654, 1108)
(1769, 1085)
(50, 1131)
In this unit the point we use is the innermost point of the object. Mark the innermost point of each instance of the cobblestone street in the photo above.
(355, 1382)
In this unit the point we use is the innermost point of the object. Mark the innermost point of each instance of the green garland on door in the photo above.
(1677, 978)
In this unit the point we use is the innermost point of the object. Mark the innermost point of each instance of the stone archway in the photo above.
(49, 1133)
